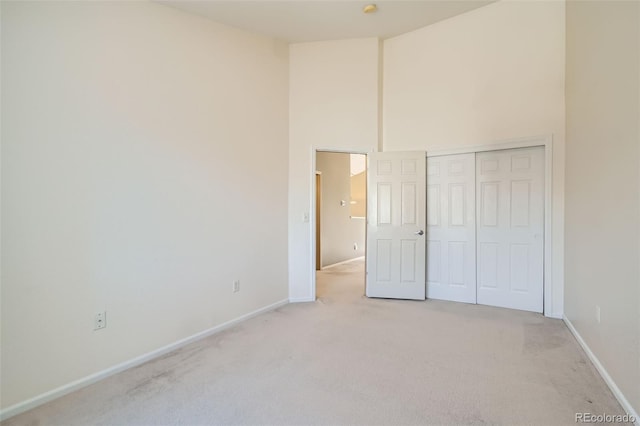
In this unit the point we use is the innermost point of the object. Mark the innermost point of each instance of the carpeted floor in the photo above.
(346, 359)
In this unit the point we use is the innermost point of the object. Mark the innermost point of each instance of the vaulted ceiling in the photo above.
(302, 20)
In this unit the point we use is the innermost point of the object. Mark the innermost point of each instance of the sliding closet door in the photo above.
(451, 232)
(510, 228)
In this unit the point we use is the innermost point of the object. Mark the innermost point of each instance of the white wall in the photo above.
(138, 145)
(492, 74)
(333, 98)
(339, 231)
(603, 185)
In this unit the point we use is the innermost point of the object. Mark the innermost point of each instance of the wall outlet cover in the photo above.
(100, 320)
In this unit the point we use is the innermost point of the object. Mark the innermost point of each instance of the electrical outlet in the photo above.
(100, 320)
(236, 286)
(598, 314)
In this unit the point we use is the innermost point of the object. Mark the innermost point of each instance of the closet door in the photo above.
(451, 232)
(510, 228)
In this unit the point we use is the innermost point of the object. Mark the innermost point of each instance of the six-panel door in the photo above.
(510, 228)
(485, 215)
(396, 225)
(451, 228)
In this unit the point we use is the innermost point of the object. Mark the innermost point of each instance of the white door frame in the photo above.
(547, 143)
(314, 152)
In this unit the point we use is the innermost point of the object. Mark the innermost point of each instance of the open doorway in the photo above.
(340, 219)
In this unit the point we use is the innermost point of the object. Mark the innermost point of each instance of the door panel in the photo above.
(397, 212)
(451, 246)
(510, 228)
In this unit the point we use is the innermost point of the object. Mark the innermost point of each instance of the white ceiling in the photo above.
(305, 20)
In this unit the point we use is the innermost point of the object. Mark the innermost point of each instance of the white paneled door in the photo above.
(451, 228)
(396, 225)
(510, 228)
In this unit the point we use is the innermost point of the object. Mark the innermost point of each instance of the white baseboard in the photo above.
(21, 407)
(555, 316)
(301, 299)
(343, 262)
(626, 406)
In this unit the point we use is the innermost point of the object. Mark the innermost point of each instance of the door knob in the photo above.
(420, 232)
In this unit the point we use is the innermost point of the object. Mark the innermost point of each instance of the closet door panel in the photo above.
(510, 228)
(451, 211)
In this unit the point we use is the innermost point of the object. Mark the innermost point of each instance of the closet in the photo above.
(485, 228)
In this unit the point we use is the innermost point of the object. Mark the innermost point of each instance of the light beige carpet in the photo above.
(346, 359)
